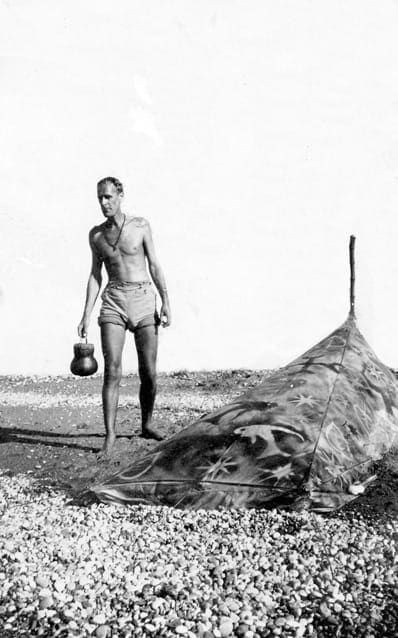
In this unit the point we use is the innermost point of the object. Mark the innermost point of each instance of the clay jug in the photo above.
(84, 362)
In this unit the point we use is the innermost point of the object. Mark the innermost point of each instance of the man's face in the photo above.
(109, 199)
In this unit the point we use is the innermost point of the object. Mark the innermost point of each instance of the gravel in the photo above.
(34, 400)
(109, 570)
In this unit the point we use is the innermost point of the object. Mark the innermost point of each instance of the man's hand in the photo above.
(82, 328)
(165, 315)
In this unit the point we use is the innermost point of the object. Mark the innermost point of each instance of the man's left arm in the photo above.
(157, 275)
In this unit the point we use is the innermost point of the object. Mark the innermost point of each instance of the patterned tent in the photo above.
(306, 436)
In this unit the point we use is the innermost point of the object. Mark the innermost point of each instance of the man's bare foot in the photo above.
(150, 433)
(107, 448)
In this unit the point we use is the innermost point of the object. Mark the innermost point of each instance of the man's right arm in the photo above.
(93, 288)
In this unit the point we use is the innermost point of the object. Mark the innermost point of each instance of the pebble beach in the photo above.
(68, 569)
(109, 570)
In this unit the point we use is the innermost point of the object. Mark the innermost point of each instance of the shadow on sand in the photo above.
(41, 437)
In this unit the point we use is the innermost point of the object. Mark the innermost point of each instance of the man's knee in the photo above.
(112, 371)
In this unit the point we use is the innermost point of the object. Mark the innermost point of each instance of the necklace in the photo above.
(115, 243)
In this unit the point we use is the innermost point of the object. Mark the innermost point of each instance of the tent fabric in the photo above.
(306, 436)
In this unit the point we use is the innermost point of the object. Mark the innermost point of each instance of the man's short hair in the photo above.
(112, 180)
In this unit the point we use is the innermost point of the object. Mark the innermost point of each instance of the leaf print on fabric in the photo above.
(301, 399)
(374, 372)
(213, 470)
(334, 435)
(280, 472)
(138, 471)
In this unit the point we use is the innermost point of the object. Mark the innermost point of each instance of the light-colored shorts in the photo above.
(129, 304)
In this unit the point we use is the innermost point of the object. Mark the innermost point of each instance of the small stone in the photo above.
(68, 613)
(147, 591)
(51, 613)
(174, 622)
(324, 609)
(45, 602)
(226, 627)
(232, 604)
(181, 630)
(201, 629)
(102, 631)
(59, 585)
(99, 619)
(246, 617)
(42, 581)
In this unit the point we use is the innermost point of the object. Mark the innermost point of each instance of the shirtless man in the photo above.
(124, 245)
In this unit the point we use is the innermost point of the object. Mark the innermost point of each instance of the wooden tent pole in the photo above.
(352, 273)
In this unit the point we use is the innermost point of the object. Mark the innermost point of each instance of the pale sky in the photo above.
(254, 135)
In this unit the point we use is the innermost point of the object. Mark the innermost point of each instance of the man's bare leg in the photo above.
(146, 343)
(112, 339)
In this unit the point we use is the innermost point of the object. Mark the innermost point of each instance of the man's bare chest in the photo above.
(127, 240)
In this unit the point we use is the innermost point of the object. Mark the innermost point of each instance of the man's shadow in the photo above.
(37, 437)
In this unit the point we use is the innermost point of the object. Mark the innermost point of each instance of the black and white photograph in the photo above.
(198, 314)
